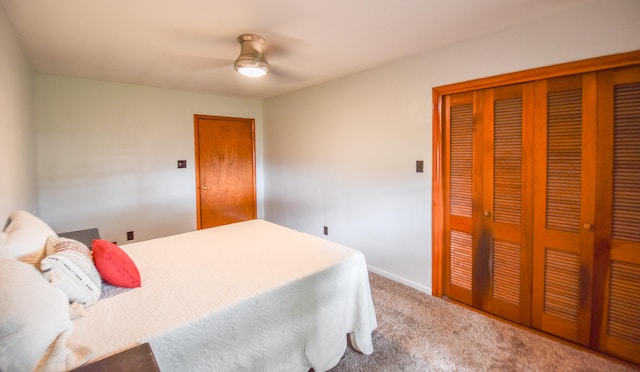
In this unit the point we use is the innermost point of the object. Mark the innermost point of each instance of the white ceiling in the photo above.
(191, 44)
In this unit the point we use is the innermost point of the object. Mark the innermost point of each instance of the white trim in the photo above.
(400, 279)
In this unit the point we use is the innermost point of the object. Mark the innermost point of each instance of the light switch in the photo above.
(419, 166)
(182, 163)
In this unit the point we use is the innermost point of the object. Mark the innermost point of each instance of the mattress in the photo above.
(251, 296)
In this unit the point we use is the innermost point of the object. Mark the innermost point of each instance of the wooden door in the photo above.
(565, 206)
(502, 268)
(225, 170)
(617, 226)
(488, 200)
(462, 120)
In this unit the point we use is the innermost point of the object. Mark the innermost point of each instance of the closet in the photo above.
(537, 199)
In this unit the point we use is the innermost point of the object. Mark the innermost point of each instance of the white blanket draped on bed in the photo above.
(247, 296)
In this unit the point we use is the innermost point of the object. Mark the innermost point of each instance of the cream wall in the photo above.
(18, 189)
(107, 155)
(343, 154)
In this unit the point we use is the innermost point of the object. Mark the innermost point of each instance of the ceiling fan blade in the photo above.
(281, 45)
(196, 39)
(197, 63)
(193, 50)
(286, 76)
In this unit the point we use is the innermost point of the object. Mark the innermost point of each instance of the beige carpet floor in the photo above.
(418, 332)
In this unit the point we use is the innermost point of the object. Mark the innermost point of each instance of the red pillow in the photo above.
(114, 265)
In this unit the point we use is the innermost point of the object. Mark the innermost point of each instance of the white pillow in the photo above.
(75, 274)
(33, 317)
(59, 244)
(26, 237)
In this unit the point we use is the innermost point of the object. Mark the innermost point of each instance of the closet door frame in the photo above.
(439, 143)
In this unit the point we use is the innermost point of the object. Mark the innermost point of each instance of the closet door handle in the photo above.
(204, 188)
(486, 213)
(587, 226)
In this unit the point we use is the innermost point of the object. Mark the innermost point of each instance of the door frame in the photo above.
(196, 124)
(438, 93)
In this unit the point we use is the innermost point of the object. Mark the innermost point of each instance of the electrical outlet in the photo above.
(129, 235)
(182, 163)
(419, 166)
(326, 230)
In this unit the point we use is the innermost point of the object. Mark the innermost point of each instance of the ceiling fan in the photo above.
(250, 62)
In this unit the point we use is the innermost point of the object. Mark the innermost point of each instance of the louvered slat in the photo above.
(624, 297)
(626, 159)
(506, 271)
(564, 157)
(461, 128)
(507, 161)
(561, 284)
(460, 262)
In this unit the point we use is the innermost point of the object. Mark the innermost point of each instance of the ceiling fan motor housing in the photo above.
(251, 52)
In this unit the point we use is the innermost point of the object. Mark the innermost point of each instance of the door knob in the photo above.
(486, 213)
(204, 187)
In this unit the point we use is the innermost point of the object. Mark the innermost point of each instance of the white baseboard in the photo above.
(400, 279)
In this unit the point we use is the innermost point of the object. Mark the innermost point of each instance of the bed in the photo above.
(251, 296)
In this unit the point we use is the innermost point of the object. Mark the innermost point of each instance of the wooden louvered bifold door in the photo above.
(460, 112)
(564, 206)
(488, 200)
(541, 203)
(502, 266)
(617, 293)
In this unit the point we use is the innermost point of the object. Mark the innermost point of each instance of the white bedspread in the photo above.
(249, 296)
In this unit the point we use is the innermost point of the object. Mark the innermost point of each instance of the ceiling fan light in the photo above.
(252, 71)
(251, 68)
